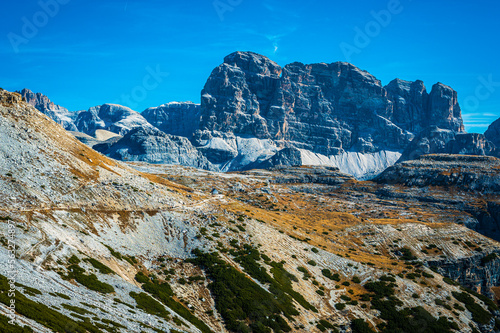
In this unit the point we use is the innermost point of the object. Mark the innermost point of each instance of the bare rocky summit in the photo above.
(111, 117)
(43, 104)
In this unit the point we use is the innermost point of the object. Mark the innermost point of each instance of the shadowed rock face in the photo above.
(237, 92)
(443, 109)
(325, 108)
(153, 146)
(415, 109)
(493, 132)
(471, 272)
(176, 118)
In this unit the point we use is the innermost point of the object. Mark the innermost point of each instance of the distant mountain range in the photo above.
(256, 114)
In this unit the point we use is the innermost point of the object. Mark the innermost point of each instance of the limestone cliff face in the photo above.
(415, 109)
(479, 273)
(237, 93)
(176, 118)
(444, 110)
(324, 108)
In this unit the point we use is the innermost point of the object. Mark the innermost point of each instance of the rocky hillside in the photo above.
(479, 175)
(102, 246)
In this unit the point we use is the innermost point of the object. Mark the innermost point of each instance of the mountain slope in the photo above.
(66, 200)
(102, 246)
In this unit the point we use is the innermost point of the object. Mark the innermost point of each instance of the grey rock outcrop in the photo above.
(493, 133)
(479, 273)
(328, 109)
(111, 117)
(285, 157)
(176, 118)
(444, 110)
(43, 104)
(472, 173)
(415, 109)
(454, 174)
(148, 144)
(434, 140)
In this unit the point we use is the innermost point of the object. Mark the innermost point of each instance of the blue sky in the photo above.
(146, 53)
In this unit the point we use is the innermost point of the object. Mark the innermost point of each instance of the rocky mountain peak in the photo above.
(38, 100)
(111, 117)
(43, 104)
(445, 111)
(328, 109)
(253, 62)
(401, 86)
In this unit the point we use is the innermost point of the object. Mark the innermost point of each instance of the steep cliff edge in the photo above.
(470, 173)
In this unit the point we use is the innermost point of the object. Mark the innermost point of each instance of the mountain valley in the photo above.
(128, 246)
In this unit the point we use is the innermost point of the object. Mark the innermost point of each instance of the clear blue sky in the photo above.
(86, 53)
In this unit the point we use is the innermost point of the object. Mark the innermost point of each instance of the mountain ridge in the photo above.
(336, 114)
